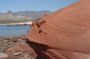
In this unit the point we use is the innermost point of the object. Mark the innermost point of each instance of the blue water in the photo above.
(13, 30)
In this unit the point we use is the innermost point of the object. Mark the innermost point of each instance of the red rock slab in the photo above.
(66, 29)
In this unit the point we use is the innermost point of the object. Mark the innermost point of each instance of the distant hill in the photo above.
(33, 14)
(21, 16)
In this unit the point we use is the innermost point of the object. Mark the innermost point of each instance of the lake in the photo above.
(13, 30)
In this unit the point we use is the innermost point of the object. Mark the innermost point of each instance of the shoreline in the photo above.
(18, 23)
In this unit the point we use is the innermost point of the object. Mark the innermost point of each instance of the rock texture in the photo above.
(15, 48)
(66, 32)
(3, 56)
(22, 51)
(19, 52)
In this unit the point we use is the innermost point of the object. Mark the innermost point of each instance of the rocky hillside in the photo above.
(21, 16)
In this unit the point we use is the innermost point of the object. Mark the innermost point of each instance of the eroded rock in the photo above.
(67, 29)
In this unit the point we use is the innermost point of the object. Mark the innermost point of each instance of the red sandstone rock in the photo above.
(67, 30)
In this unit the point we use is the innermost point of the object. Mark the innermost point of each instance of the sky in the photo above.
(33, 5)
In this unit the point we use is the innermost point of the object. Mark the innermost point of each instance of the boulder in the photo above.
(66, 32)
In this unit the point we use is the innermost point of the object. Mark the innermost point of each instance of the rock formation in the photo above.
(63, 34)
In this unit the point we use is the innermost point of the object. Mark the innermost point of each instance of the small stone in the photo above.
(3, 55)
(17, 53)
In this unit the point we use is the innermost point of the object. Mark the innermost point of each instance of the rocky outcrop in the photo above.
(66, 32)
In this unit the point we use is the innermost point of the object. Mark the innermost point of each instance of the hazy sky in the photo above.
(36, 5)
